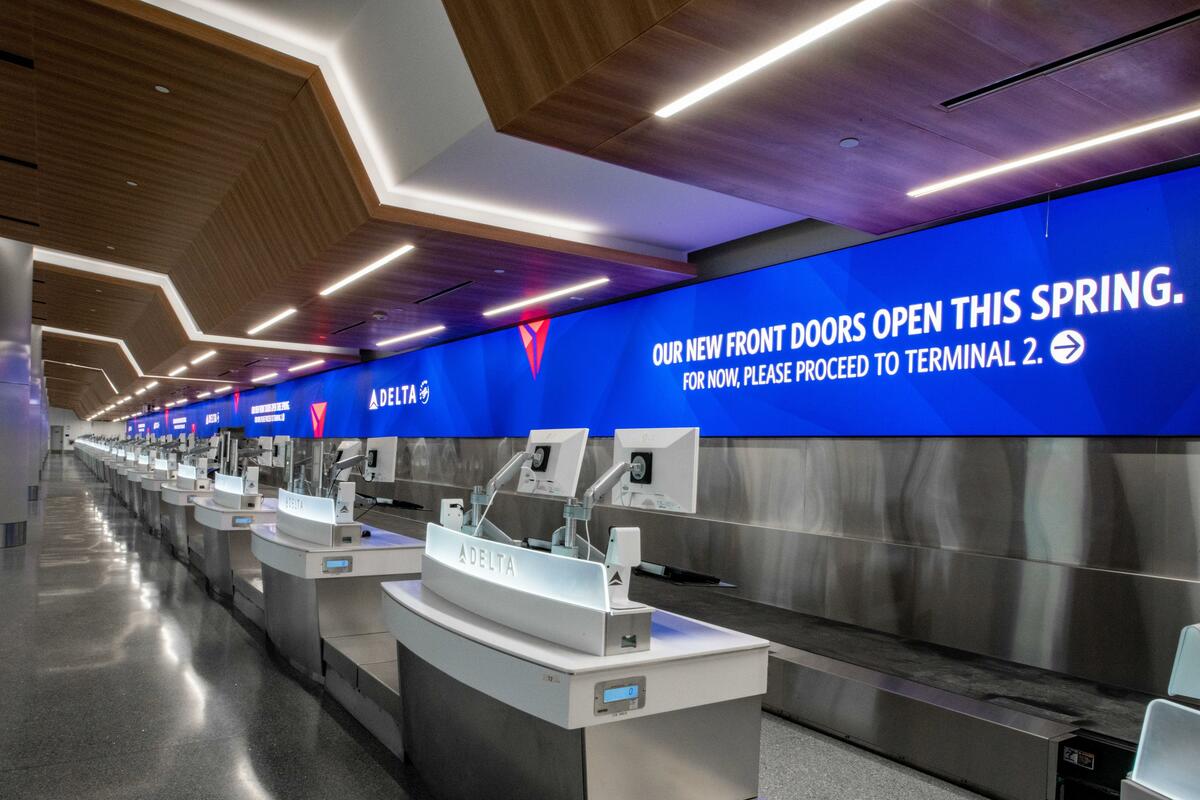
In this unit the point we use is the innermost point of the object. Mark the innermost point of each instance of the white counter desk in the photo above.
(176, 520)
(224, 546)
(538, 719)
(324, 616)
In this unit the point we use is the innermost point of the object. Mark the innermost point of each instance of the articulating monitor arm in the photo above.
(482, 497)
(573, 512)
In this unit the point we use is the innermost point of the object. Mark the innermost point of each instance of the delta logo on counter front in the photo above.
(533, 337)
(317, 413)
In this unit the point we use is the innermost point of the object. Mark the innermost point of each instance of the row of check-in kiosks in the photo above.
(439, 645)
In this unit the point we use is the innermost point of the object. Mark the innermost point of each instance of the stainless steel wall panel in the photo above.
(1076, 555)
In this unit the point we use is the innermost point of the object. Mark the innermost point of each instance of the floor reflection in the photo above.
(124, 680)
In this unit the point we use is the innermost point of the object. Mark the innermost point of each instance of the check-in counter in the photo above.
(321, 588)
(224, 519)
(503, 654)
(176, 520)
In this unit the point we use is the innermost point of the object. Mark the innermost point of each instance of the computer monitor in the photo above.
(279, 450)
(557, 459)
(666, 463)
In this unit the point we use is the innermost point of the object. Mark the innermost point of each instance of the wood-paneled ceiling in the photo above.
(588, 77)
(141, 316)
(242, 186)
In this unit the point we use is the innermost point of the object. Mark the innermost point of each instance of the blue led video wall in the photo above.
(998, 325)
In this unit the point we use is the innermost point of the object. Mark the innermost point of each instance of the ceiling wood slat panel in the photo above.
(102, 355)
(299, 219)
(16, 28)
(91, 304)
(250, 195)
(156, 336)
(101, 122)
(18, 193)
(539, 45)
(295, 199)
(773, 138)
(142, 317)
(18, 95)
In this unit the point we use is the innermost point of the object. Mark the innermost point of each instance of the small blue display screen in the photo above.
(337, 563)
(242, 520)
(621, 693)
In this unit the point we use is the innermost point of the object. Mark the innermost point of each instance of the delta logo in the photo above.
(316, 413)
(405, 394)
(533, 337)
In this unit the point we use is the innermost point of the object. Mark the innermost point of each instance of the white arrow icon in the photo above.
(1067, 347)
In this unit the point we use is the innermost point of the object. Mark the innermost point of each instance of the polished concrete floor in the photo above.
(119, 678)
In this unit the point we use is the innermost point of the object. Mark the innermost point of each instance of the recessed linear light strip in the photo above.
(128, 355)
(579, 287)
(264, 378)
(771, 56)
(368, 140)
(280, 317)
(404, 337)
(175, 300)
(307, 365)
(367, 270)
(200, 359)
(84, 366)
(1057, 152)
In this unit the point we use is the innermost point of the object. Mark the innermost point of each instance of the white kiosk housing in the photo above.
(1166, 768)
(163, 471)
(179, 497)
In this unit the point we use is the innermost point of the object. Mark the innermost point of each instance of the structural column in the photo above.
(39, 413)
(16, 302)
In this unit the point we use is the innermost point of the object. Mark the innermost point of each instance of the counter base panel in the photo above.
(248, 596)
(362, 674)
(303, 612)
(382, 725)
(225, 553)
(702, 753)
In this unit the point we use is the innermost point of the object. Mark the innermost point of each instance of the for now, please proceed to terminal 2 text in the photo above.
(1138, 290)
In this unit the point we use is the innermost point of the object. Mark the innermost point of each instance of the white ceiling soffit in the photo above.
(415, 115)
(175, 300)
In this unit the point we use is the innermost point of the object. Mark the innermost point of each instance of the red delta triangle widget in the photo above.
(316, 412)
(533, 337)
